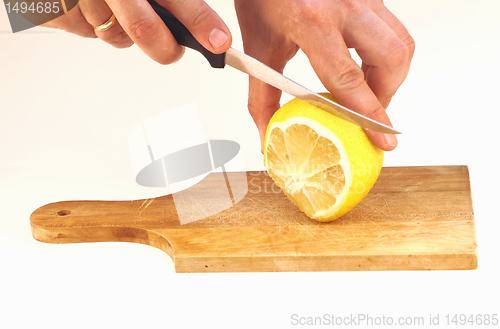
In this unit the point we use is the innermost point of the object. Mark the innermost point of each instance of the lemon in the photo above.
(324, 164)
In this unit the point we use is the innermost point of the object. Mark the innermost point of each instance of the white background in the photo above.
(67, 105)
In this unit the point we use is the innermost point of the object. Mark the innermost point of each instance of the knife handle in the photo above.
(185, 38)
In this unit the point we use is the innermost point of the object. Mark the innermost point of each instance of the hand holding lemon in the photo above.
(325, 31)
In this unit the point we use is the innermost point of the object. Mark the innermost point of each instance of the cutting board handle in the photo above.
(105, 221)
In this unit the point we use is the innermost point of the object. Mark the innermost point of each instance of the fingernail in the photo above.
(217, 38)
(391, 140)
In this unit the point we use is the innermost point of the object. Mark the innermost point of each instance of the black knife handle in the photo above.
(185, 38)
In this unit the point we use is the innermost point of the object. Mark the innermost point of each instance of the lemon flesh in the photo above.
(324, 164)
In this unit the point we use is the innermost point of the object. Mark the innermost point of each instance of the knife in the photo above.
(261, 71)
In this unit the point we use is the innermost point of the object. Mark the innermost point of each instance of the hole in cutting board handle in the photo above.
(63, 213)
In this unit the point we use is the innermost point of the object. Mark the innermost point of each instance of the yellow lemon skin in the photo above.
(364, 159)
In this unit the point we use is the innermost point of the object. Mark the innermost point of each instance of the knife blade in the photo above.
(261, 71)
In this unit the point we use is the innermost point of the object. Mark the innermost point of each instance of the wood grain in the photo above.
(415, 218)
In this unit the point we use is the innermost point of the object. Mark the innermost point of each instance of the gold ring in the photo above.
(106, 25)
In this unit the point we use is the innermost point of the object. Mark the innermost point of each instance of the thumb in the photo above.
(203, 22)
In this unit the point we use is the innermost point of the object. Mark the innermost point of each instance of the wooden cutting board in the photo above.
(415, 218)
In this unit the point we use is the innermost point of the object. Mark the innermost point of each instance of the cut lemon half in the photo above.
(324, 164)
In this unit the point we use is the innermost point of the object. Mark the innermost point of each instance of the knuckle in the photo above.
(121, 36)
(200, 17)
(398, 54)
(165, 60)
(253, 108)
(401, 52)
(119, 39)
(376, 112)
(308, 11)
(349, 76)
(260, 112)
(410, 44)
(350, 5)
(171, 56)
(142, 29)
(257, 115)
(122, 43)
(85, 33)
(375, 2)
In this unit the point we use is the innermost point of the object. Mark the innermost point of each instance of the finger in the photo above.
(395, 24)
(202, 21)
(97, 12)
(387, 16)
(146, 29)
(263, 101)
(385, 57)
(333, 64)
(73, 22)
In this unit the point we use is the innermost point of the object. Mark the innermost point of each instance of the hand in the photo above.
(138, 23)
(273, 31)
